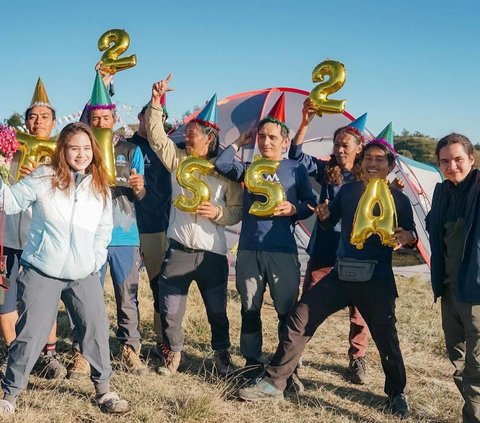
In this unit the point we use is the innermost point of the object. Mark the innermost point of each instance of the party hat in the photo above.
(40, 97)
(386, 134)
(278, 109)
(100, 99)
(163, 103)
(358, 126)
(277, 113)
(208, 116)
(385, 138)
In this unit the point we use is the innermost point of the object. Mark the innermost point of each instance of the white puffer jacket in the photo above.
(70, 231)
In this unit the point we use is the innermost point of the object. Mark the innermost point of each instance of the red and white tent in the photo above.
(242, 112)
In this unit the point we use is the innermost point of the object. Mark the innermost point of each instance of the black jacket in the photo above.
(468, 281)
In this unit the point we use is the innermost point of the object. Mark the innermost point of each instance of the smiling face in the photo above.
(375, 163)
(196, 140)
(455, 164)
(78, 152)
(271, 142)
(345, 150)
(40, 121)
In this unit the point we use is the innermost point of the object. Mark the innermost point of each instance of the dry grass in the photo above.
(193, 395)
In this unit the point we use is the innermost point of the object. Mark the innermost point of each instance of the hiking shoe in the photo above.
(6, 407)
(80, 368)
(295, 384)
(358, 371)
(130, 360)
(399, 406)
(50, 367)
(253, 369)
(222, 362)
(260, 391)
(111, 403)
(171, 361)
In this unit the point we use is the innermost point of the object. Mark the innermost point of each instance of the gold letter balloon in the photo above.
(256, 183)
(337, 76)
(366, 223)
(110, 61)
(187, 180)
(104, 140)
(35, 148)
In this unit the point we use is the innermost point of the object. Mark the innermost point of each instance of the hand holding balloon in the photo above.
(402, 237)
(285, 208)
(106, 77)
(207, 210)
(308, 111)
(28, 168)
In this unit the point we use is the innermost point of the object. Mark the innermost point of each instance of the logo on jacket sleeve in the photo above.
(120, 160)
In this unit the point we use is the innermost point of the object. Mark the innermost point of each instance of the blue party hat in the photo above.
(358, 126)
(208, 116)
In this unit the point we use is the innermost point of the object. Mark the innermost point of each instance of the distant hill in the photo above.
(421, 147)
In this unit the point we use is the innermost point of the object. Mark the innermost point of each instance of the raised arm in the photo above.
(166, 150)
(228, 165)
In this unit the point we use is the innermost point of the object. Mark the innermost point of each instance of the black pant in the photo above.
(376, 302)
(210, 270)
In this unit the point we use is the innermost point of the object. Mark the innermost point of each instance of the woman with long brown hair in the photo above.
(67, 245)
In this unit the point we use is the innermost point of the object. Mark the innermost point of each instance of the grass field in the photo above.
(194, 395)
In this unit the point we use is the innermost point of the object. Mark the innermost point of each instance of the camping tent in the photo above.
(242, 112)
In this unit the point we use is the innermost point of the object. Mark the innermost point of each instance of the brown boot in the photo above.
(80, 368)
(130, 360)
(171, 361)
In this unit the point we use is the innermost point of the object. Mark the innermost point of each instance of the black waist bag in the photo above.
(351, 270)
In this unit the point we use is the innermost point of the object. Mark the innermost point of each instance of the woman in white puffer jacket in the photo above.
(67, 244)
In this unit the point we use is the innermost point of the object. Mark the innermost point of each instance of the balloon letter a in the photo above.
(366, 223)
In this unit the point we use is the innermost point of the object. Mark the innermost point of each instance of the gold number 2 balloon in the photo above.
(366, 223)
(337, 76)
(34, 148)
(187, 180)
(257, 184)
(104, 140)
(110, 61)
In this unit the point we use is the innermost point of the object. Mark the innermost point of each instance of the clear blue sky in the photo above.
(416, 63)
